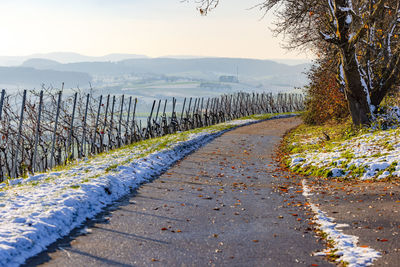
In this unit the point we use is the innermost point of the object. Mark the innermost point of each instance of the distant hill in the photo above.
(68, 57)
(40, 63)
(170, 66)
(33, 78)
(253, 72)
(65, 57)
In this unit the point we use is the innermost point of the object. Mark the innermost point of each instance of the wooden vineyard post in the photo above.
(182, 113)
(119, 135)
(234, 107)
(240, 105)
(201, 113)
(133, 129)
(211, 112)
(110, 131)
(164, 119)
(188, 114)
(96, 125)
(216, 110)
(127, 137)
(229, 107)
(71, 130)
(53, 142)
(102, 134)
(193, 124)
(262, 103)
(3, 92)
(252, 104)
(83, 141)
(197, 123)
(155, 122)
(206, 117)
(21, 119)
(148, 132)
(174, 120)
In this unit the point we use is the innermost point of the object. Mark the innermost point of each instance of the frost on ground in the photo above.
(344, 246)
(372, 155)
(36, 211)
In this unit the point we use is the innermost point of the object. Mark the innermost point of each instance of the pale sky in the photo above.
(150, 27)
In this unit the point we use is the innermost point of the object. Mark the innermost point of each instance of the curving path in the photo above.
(218, 206)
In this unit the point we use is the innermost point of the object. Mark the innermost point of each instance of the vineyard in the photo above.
(40, 130)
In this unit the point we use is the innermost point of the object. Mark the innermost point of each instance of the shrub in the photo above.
(325, 102)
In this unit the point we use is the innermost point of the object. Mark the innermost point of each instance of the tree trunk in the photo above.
(358, 111)
(356, 94)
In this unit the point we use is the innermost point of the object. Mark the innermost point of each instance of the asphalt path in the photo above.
(219, 206)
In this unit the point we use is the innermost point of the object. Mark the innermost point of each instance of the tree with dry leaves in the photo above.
(365, 34)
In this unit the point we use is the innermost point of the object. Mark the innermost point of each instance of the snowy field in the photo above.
(372, 155)
(375, 154)
(38, 210)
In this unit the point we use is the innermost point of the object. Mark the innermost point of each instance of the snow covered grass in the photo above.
(362, 154)
(37, 210)
(344, 247)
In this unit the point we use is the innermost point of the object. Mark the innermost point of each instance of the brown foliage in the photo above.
(325, 101)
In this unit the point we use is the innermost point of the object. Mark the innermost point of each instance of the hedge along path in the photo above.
(218, 206)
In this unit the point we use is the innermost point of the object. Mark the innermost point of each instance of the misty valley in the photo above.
(150, 78)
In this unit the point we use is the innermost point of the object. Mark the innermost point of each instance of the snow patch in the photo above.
(45, 207)
(366, 156)
(336, 172)
(345, 246)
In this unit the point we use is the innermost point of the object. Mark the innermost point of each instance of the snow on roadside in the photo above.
(372, 155)
(36, 211)
(345, 246)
